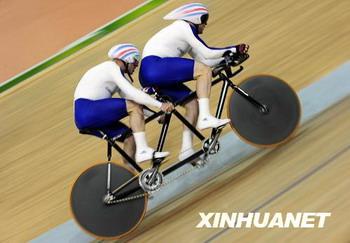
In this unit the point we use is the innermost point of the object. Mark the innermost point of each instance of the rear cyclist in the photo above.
(95, 108)
(164, 67)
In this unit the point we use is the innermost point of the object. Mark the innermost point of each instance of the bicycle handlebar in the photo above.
(229, 61)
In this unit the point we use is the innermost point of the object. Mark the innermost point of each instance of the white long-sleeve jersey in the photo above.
(104, 80)
(178, 39)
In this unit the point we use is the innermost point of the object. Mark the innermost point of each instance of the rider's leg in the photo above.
(137, 124)
(166, 73)
(137, 121)
(191, 115)
(129, 147)
(203, 76)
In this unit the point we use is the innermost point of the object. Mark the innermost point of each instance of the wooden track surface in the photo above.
(42, 153)
(292, 178)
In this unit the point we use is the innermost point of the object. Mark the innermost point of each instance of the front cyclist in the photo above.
(163, 67)
(95, 108)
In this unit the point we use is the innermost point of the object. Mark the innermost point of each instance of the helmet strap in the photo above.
(197, 27)
(131, 79)
(126, 65)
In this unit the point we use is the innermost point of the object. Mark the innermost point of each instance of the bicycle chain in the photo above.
(115, 201)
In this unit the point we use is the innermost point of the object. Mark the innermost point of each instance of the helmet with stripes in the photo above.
(125, 52)
(195, 13)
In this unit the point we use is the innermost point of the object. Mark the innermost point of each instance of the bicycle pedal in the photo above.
(159, 160)
(199, 163)
(221, 127)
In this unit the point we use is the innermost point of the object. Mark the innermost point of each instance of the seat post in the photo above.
(109, 151)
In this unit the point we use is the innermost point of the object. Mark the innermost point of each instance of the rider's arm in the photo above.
(199, 47)
(147, 113)
(208, 62)
(131, 92)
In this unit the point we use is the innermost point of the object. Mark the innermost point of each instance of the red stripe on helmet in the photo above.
(196, 9)
(125, 51)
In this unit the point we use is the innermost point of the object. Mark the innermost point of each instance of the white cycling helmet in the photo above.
(125, 52)
(195, 13)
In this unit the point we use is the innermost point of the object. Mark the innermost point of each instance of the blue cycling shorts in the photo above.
(167, 74)
(101, 114)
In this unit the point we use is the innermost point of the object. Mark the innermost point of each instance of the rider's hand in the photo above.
(167, 107)
(149, 90)
(236, 58)
(161, 119)
(242, 48)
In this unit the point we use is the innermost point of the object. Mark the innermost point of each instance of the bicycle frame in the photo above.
(224, 73)
(226, 83)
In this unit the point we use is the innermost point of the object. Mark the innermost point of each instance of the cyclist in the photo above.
(164, 67)
(95, 108)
